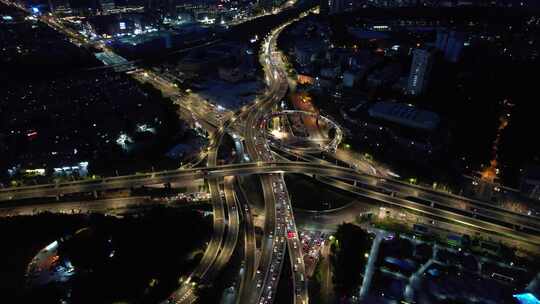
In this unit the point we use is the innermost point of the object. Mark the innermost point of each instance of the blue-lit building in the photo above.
(451, 44)
(526, 298)
(420, 70)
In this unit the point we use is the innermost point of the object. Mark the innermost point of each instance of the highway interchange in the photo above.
(231, 209)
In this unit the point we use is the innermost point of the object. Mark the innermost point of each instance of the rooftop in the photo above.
(405, 114)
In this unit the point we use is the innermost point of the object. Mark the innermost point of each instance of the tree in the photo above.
(348, 260)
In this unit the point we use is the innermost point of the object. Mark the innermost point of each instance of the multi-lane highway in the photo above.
(443, 200)
(222, 244)
(263, 271)
(250, 246)
(111, 206)
(362, 180)
(280, 228)
(264, 284)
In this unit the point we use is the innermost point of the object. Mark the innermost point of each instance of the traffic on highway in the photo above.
(268, 161)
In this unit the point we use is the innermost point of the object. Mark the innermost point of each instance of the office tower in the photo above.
(324, 7)
(451, 44)
(420, 69)
(59, 6)
(337, 6)
(441, 40)
(107, 5)
(454, 46)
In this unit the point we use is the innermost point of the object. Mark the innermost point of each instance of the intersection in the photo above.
(268, 164)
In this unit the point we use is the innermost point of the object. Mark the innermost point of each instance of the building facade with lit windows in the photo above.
(420, 69)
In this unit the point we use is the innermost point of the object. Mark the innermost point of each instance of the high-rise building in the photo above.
(324, 7)
(340, 6)
(270, 4)
(454, 46)
(441, 40)
(420, 69)
(337, 6)
(59, 6)
(107, 6)
(164, 7)
(451, 44)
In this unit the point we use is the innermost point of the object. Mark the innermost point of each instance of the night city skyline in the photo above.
(269, 151)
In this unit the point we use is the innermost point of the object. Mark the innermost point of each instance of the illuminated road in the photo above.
(250, 248)
(443, 200)
(315, 146)
(261, 278)
(279, 220)
(111, 206)
(362, 180)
